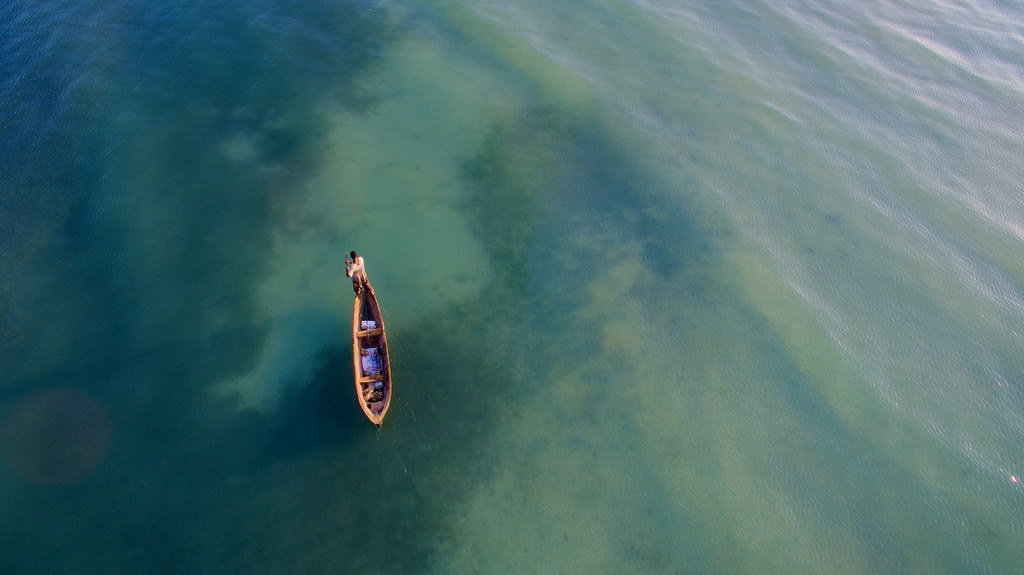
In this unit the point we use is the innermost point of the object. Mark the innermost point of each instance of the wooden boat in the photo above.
(370, 355)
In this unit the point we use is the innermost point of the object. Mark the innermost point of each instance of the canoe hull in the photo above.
(370, 355)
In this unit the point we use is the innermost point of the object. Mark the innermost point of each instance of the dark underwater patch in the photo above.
(549, 178)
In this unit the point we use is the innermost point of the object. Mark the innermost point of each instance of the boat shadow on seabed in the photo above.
(316, 413)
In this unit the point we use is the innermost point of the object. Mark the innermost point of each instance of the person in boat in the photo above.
(356, 270)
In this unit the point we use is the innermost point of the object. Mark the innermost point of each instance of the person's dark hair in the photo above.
(354, 254)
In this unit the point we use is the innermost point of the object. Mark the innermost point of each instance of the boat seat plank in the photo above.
(370, 332)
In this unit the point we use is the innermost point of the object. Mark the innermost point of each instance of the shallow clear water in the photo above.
(670, 288)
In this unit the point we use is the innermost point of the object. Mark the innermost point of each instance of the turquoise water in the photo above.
(669, 288)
